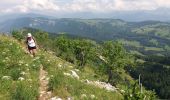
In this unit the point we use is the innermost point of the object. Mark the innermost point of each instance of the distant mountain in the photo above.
(102, 28)
(136, 34)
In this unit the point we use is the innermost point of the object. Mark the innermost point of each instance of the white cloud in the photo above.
(40, 5)
(28, 6)
(8, 6)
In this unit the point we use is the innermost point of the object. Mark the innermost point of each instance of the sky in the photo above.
(95, 6)
(100, 7)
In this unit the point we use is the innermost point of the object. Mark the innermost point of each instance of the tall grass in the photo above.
(18, 72)
(25, 91)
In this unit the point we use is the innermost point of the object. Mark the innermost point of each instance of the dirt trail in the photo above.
(44, 94)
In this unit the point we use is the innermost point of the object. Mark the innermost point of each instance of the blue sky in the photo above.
(94, 6)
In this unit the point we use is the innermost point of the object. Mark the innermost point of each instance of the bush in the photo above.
(18, 35)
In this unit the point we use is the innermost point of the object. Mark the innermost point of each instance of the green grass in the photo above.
(25, 90)
(66, 86)
(130, 43)
(16, 65)
(153, 49)
(21, 69)
(70, 87)
(156, 29)
(136, 52)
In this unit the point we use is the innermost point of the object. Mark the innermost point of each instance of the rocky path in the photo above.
(44, 94)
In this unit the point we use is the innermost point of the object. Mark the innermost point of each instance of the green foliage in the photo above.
(15, 73)
(154, 42)
(75, 88)
(115, 58)
(134, 93)
(167, 48)
(42, 39)
(115, 55)
(83, 52)
(64, 48)
(130, 43)
(16, 67)
(153, 49)
(56, 81)
(66, 86)
(17, 34)
(74, 50)
(83, 49)
(154, 75)
(24, 91)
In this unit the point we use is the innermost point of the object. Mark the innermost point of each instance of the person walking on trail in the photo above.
(31, 44)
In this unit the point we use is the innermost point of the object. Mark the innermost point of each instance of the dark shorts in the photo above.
(31, 48)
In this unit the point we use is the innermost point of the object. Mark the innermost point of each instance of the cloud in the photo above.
(28, 6)
(24, 6)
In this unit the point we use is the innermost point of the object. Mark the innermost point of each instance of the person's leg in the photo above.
(29, 51)
(33, 52)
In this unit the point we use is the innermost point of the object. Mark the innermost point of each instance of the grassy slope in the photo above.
(66, 86)
(16, 64)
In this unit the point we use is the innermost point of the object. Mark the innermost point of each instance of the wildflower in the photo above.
(26, 65)
(30, 80)
(6, 77)
(77, 70)
(6, 58)
(23, 73)
(55, 98)
(122, 91)
(92, 96)
(21, 62)
(130, 95)
(83, 96)
(70, 66)
(21, 78)
(59, 65)
(10, 44)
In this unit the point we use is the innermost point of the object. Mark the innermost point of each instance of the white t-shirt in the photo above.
(31, 43)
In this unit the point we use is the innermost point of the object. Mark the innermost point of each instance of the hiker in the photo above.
(31, 44)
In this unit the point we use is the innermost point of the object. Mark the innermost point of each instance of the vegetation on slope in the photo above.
(18, 72)
(147, 40)
(87, 54)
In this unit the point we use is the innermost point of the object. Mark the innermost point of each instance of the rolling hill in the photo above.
(148, 37)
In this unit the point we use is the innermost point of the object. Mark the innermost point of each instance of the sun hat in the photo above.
(29, 35)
